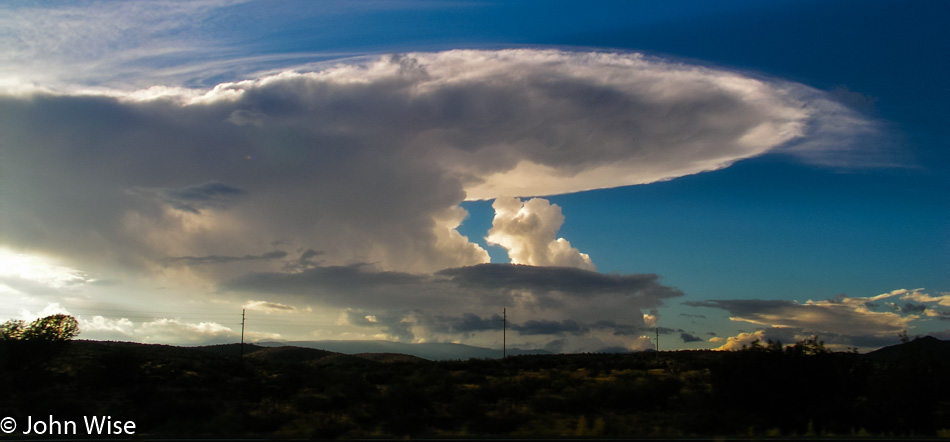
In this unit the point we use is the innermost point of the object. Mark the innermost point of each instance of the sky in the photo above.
(603, 176)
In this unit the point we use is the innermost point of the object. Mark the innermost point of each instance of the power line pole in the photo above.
(243, 311)
(658, 342)
(504, 331)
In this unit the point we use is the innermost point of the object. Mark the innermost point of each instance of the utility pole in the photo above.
(658, 342)
(243, 311)
(504, 331)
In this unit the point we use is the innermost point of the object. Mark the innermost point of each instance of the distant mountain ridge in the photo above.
(435, 351)
(927, 347)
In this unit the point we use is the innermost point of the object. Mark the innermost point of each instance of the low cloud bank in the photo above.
(862, 322)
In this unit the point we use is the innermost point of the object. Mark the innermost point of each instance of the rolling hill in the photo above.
(430, 351)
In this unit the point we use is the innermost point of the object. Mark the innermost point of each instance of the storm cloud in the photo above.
(368, 161)
(236, 187)
(214, 259)
(576, 282)
(363, 285)
(539, 300)
(197, 197)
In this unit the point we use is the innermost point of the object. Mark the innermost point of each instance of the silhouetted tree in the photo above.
(807, 347)
(11, 330)
(755, 346)
(24, 346)
(53, 328)
(903, 336)
(775, 347)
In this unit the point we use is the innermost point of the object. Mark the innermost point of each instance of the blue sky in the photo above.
(138, 185)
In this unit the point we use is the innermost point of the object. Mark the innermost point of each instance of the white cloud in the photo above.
(33, 274)
(918, 296)
(528, 230)
(102, 41)
(269, 307)
(740, 341)
(53, 308)
(173, 331)
(849, 316)
(100, 326)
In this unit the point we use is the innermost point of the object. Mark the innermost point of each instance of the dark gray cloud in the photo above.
(202, 196)
(307, 256)
(627, 329)
(686, 337)
(573, 281)
(619, 329)
(213, 259)
(416, 306)
(467, 324)
(358, 286)
(910, 307)
(354, 277)
(305, 261)
(550, 327)
(365, 286)
(470, 322)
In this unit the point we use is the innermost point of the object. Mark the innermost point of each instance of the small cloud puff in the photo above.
(528, 230)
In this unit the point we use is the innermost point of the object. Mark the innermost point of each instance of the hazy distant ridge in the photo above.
(431, 351)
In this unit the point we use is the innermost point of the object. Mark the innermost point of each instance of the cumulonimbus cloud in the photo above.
(367, 161)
